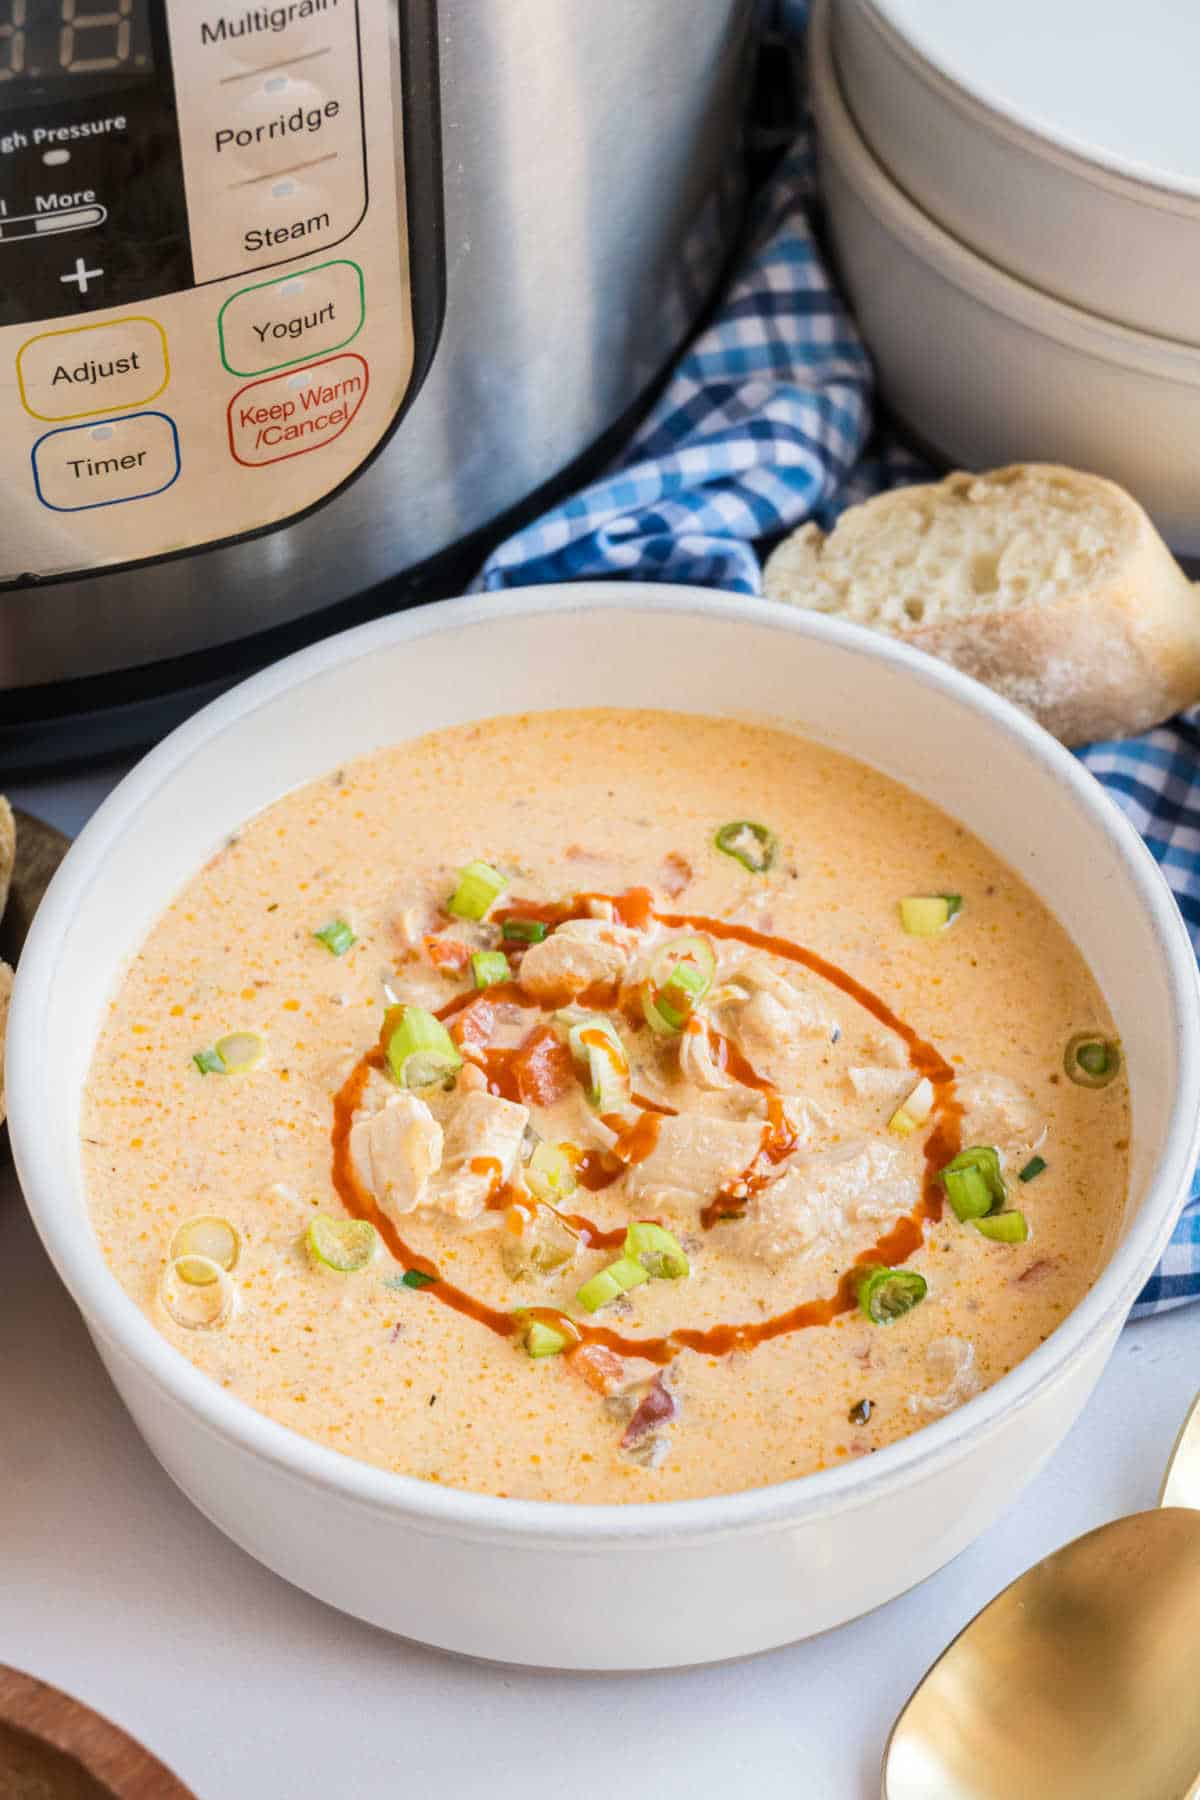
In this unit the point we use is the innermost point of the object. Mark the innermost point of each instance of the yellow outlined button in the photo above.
(84, 370)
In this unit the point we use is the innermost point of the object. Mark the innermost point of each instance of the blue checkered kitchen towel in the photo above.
(767, 421)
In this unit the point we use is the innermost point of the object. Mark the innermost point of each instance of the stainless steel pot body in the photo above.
(586, 159)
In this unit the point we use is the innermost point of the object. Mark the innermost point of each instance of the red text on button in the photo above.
(290, 414)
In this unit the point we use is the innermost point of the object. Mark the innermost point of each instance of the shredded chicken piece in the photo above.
(887, 1087)
(778, 1026)
(483, 1140)
(822, 1201)
(951, 1363)
(694, 1158)
(997, 1111)
(580, 954)
(696, 1062)
(885, 1049)
(396, 1151)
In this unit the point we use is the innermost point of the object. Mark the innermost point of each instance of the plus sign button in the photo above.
(81, 276)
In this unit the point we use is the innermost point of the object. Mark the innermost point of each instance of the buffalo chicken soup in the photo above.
(605, 1106)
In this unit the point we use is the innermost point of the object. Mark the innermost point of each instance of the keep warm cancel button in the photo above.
(288, 415)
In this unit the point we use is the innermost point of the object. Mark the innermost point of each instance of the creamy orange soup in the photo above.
(734, 1114)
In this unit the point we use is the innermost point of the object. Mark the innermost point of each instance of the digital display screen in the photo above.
(60, 49)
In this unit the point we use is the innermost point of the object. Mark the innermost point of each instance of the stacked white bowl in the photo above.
(1014, 197)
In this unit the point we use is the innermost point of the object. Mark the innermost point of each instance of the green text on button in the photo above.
(306, 313)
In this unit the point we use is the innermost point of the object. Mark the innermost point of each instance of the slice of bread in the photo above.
(1051, 586)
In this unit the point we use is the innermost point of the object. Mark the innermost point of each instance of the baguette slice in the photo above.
(6, 981)
(1051, 586)
(8, 849)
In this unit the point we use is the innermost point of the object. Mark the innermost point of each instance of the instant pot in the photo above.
(297, 300)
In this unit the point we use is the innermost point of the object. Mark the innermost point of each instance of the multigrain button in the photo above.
(291, 319)
(105, 464)
(289, 415)
(89, 369)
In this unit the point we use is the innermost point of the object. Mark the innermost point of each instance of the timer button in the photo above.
(83, 466)
(291, 319)
(89, 369)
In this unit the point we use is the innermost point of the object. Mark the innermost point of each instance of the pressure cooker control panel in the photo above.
(205, 318)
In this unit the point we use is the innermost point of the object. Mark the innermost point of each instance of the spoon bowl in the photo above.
(1079, 1679)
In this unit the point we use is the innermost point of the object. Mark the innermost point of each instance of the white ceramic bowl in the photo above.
(604, 1586)
(983, 122)
(986, 369)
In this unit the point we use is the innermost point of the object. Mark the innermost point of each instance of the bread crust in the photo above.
(1108, 661)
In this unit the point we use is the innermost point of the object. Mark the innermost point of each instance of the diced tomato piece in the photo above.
(542, 1070)
(656, 1408)
(676, 873)
(635, 907)
(602, 1369)
(474, 1026)
(449, 955)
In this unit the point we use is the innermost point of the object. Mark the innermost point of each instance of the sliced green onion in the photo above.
(913, 1112)
(196, 1292)
(550, 1173)
(924, 915)
(692, 952)
(680, 976)
(347, 1245)
(657, 1250)
(524, 931)
(749, 843)
(210, 1062)
(419, 1049)
(974, 1183)
(337, 937)
(1092, 1061)
(1032, 1169)
(887, 1294)
(241, 1051)
(543, 1339)
(209, 1237)
(609, 1284)
(489, 967)
(479, 888)
(417, 1278)
(1004, 1227)
(597, 1047)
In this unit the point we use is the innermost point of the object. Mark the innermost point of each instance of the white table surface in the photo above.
(115, 1588)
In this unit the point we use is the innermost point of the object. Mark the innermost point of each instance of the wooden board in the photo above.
(55, 1748)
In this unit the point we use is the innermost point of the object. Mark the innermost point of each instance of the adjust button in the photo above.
(89, 369)
(288, 415)
(82, 466)
(291, 319)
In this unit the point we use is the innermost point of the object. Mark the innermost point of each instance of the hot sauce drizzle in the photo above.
(597, 1170)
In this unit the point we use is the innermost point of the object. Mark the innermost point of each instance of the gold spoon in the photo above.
(1079, 1681)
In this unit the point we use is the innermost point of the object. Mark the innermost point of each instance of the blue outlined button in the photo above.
(106, 462)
